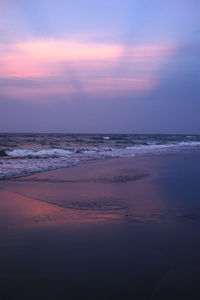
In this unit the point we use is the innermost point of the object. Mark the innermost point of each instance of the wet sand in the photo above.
(113, 229)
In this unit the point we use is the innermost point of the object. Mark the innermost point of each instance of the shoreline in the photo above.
(140, 156)
(30, 156)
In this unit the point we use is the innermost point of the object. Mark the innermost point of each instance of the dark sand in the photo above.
(113, 229)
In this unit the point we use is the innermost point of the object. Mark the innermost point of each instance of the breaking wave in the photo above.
(35, 157)
(37, 154)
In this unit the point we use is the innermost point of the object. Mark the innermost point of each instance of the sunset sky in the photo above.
(130, 66)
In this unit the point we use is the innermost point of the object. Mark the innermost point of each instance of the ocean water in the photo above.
(22, 154)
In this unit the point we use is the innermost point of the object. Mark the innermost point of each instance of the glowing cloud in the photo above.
(81, 67)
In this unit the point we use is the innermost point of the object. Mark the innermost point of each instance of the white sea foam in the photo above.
(26, 161)
(41, 153)
(17, 167)
(164, 146)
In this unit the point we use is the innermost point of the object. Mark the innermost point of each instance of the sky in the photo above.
(109, 66)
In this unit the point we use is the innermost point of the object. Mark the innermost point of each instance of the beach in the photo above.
(120, 228)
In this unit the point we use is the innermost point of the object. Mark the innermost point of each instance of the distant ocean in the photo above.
(22, 154)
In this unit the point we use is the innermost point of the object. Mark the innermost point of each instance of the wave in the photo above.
(56, 153)
(26, 161)
(154, 146)
(22, 153)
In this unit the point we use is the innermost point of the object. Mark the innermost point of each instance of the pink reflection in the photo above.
(18, 210)
(94, 197)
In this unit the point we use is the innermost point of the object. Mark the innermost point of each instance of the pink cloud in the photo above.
(97, 68)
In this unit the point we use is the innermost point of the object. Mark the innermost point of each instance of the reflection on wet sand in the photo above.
(91, 195)
(103, 230)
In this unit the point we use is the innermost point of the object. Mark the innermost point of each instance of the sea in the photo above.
(23, 154)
